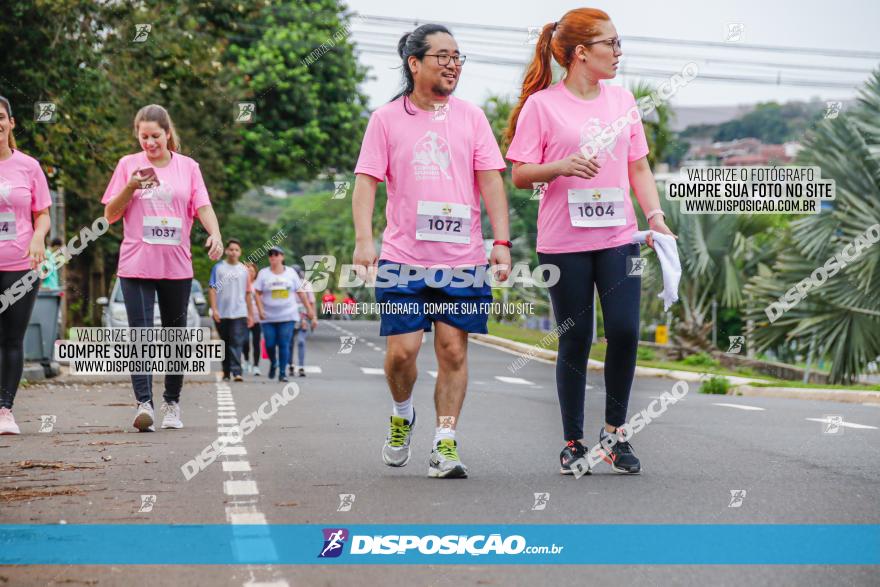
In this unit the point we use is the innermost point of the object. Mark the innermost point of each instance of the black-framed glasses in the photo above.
(443, 59)
(614, 43)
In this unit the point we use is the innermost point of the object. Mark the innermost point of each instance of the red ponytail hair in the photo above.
(559, 40)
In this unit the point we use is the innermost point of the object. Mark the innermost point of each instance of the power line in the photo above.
(774, 65)
(651, 73)
(658, 40)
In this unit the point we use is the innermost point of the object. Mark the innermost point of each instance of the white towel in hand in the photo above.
(667, 253)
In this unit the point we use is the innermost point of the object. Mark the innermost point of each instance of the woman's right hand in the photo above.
(134, 182)
(576, 165)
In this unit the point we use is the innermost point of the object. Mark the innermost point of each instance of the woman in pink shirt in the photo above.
(584, 141)
(24, 223)
(157, 192)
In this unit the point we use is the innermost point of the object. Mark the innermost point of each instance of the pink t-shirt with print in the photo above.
(429, 160)
(158, 220)
(553, 124)
(23, 191)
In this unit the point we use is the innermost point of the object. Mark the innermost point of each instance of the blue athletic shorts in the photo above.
(416, 305)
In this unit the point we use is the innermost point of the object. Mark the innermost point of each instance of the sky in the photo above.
(658, 41)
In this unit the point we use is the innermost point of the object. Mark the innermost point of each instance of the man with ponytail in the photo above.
(437, 154)
(157, 192)
(575, 135)
(24, 223)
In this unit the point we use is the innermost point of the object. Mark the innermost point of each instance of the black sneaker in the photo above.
(621, 457)
(272, 372)
(302, 372)
(573, 451)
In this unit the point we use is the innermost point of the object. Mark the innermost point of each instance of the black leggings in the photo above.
(139, 296)
(572, 298)
(255, 334)
(13, 326)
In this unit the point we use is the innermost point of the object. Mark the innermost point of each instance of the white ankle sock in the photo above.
(404, 409)
(441, 433)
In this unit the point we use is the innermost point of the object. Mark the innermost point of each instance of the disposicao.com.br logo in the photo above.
(431, 544)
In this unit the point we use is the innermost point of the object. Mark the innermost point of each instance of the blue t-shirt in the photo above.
(230, 284)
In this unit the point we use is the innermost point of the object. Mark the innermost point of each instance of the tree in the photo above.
(841, 318)
(303, 77)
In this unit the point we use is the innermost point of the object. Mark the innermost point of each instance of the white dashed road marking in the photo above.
(740, 407)
(513, 380)
(844, 424)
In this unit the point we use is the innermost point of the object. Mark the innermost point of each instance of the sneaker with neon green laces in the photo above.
(444, 461)
(396, 451)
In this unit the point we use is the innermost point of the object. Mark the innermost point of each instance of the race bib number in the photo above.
(7, 226)
(443, 222)
(596, 207)
(279, 291)
(162, 230)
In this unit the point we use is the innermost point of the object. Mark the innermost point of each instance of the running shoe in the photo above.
(283, 378)
(396, 452)
(621, 456)
(302, 372)
(172, 415)
(444, 461)
(272, 371)
(7, 422)
(572, 452)
(238, 378)
(144, 418)
(226, 378)
(255, 371)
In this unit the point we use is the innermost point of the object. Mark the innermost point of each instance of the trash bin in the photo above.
(42, 330)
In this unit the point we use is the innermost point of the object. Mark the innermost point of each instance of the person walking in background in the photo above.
(24, 224)
(157, 192)
(304, 326)
(328, 301)
(252, 350)
(275, 289)
(349, 305)
(229, 293)
(52, 281)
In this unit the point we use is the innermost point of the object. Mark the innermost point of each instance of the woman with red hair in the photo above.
(584, 141)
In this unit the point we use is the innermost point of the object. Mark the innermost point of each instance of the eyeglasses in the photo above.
(614, 43)
(443, 60)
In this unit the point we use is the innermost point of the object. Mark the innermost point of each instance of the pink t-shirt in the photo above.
(553, 124)
(429, 161)
(158, 220)
(23, 190)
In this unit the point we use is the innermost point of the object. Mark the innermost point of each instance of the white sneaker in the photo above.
(144, 418)
(172, 415)
(247, 368)
(7, 422)
(256, 371)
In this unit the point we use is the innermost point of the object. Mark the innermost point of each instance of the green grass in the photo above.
(699, 365)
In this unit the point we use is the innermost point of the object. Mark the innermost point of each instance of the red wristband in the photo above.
(507, 244)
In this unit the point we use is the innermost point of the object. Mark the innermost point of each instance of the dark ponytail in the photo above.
(414, 44)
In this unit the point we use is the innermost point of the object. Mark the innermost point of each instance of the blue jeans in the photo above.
(278, 334)
(299, 341)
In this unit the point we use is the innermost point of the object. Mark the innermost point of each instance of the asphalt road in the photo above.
(92, 467)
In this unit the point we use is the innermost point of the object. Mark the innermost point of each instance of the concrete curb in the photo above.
(830, 395)
(741, 384)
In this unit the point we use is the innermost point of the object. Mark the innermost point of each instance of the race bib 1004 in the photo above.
(8, 231)
(596, 207)
(443, 222)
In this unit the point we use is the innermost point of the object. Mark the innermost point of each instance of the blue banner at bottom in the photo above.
(639, 544)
